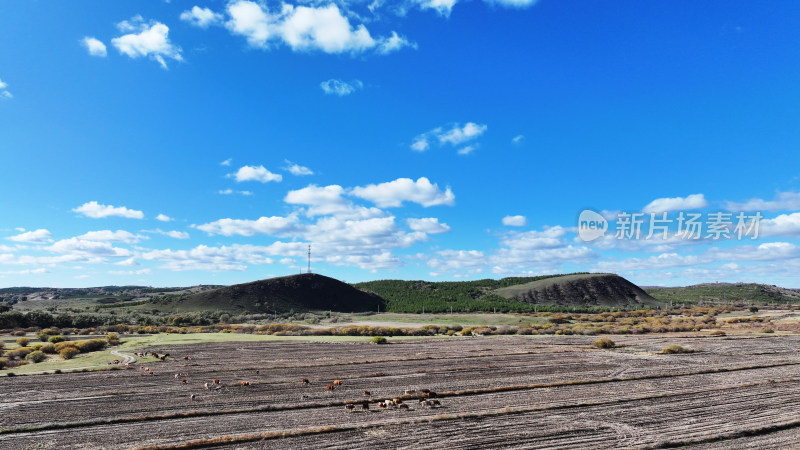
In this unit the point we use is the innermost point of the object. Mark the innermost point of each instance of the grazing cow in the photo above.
(365, 406)
(183, 380)
(205, 385)
(337, 382)
(216, 380)
(245, 383)
(435, 403)
(150, 372)
(186, 357)
(387, 403)
(192, 396)
(304, 396)
(403, 406)
(367, 393)
(162, 357)
(410, 391)
(330, 387)
(397, 401)
(257, 372)
(426, 391)
(304, 381)
(430, 394)
(350, 406)
(177, 374)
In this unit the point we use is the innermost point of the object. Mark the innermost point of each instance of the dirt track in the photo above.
(495, 392)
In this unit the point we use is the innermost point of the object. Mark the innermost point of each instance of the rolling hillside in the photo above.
(304, 292)
(727, 292)
(585, 290)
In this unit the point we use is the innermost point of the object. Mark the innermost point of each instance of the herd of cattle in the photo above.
(424, 398)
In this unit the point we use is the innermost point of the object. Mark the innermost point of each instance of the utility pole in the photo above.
(309, 258)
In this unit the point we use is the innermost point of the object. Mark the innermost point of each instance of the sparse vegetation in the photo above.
(68, 352)
(23, 341)
(36, 356)
(379, 340)
(675, 348)
(603, 343)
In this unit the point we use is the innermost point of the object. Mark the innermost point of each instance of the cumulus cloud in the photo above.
(339, 87)
(394, 193)
(201, 17)
(455, 135)
(146, 40)
(782, 225)
(112, 236)
(782, 201)
(429, 225)
(256, 173)
(40, 236)
(242, 227)
(227, 162)
(515, 221)
(164, 218)
(305, 28)
(467, 150)
(225, 258)
(94, 46)
(296, 169)
(97, 211)
(694, 201)
(84, 248)
(172, 233)
(130, 272)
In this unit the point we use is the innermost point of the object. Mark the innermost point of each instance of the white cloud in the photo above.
(468, 149)
(201, 17)
(455, 135)
(112, 236)
(549, 238)
(82, 248)
(458, 135)
(694, 201)
(173, 234)
(225, 258)
(230, 191)
(443, 7)
(164, 218)
(783, 201)
(515, 221)
(94, 46)
(394, 193)
(3, 91)
(429, 225)
(256, 173)
(305, 28)
(25, 272)
(150, 40)
(448, 260)
(96, 211)
(227, 162)
(783, 225)
(130, 272)
(518, 139)
(242, 227)
(298, 170)
(339, 87)
(40, 236)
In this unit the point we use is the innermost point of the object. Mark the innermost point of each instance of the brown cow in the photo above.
(365, 406)
(367, 393)
(350, 406)
(215, 380)
(183, 380)
(245, 383)
(403, 406)
(304, 381)
(186, 357)
(330, 387)
(337, 382)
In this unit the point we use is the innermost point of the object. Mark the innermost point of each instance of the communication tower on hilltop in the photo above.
(309, 258)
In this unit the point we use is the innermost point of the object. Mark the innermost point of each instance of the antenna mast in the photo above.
(309, 258)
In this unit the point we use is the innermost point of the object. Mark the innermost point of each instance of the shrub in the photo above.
(23, 341)
(90, 346)
(717, 333)
(3, 363)
(379, 340)
(604, 343)
(48, 348)
(754, 309)
(68, 352)
(19, 333)
(675, 348)
(56, 339)
(37, 356)
(112, 338)
(767, 330)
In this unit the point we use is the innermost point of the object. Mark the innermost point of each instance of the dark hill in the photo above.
(304, 292)
(596, 289)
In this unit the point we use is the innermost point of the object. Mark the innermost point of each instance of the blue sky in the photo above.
(176, 143)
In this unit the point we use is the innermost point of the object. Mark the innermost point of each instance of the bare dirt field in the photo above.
(509, 392)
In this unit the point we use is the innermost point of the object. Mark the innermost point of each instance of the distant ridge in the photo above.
(303, 292)
(727, 292)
